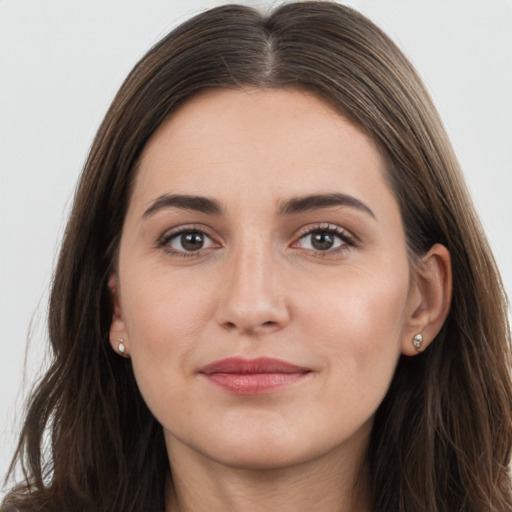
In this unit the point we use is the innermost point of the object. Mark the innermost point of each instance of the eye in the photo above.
(186, 241)
(325, 239)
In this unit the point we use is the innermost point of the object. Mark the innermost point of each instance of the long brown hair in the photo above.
(441, 439)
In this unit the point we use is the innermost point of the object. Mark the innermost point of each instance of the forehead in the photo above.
(273, 142)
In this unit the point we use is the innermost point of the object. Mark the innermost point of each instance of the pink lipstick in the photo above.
(253, 376)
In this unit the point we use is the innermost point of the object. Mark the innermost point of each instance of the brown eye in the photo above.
(189, 241)
(192, 241)
(322, 241)
(329, 239)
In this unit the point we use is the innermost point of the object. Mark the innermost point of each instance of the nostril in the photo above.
(233, 326)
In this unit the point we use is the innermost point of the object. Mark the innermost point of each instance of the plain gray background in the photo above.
(62, 61)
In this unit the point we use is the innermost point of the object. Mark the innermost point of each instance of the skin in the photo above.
(259, 286)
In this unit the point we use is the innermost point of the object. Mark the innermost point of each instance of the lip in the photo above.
(253, 376)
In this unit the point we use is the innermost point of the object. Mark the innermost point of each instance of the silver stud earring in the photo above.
(120, 346)
(418, 341)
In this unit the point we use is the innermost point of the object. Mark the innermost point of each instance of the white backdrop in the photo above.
(61, 62)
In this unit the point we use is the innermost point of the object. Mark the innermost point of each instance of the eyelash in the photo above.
(348, 240)
(165, 241)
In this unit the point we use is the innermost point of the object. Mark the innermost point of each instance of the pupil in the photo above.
(192, 241)
(322, 241)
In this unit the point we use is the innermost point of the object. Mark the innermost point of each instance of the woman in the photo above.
(273, 291)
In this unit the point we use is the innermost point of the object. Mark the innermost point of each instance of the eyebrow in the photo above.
(185, 202)
(292, 206)
(312, 202)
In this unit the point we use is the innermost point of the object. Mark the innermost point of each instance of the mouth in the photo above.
(253, 376)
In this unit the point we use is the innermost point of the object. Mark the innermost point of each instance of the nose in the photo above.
(252, 296)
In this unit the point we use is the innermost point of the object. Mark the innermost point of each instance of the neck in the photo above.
(324, 485)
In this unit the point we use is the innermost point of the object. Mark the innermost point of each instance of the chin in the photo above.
(260, 455)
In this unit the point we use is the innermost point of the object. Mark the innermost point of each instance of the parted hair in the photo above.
(441, 439)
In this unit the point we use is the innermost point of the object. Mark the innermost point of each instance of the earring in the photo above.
(120, 346)
(417, 341)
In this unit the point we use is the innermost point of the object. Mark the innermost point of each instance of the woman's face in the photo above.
(263, 290)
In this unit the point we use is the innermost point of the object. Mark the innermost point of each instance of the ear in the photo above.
(429, 298)
(118, 334)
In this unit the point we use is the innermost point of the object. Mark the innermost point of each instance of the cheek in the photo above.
(163, 311)
(360, 317)
(164, 318)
